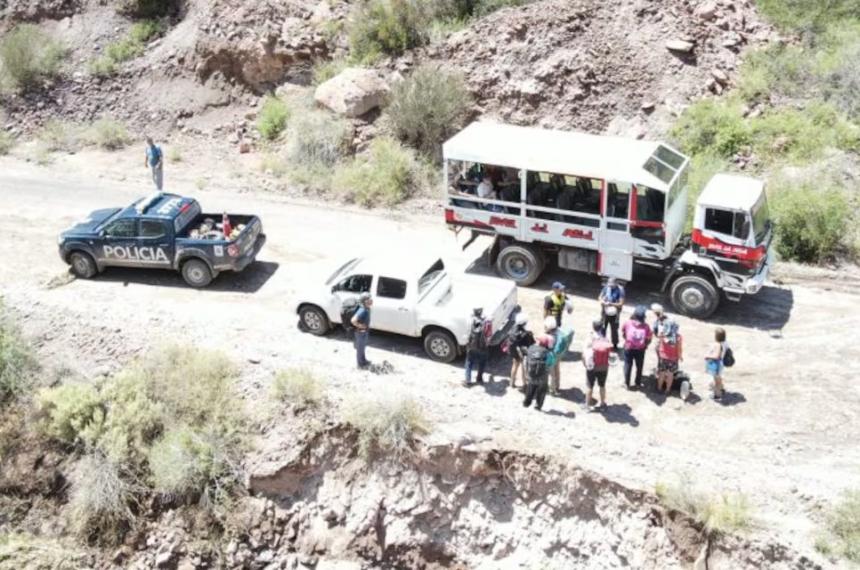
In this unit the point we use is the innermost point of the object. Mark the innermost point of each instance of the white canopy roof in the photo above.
(559, 152)
(732, 192)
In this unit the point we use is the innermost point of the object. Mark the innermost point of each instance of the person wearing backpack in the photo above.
(477, 348)
(611, 303)
(536, 374)
(669, 353)
(595, 357)
(719, 356)
(517, 343)
(637, 336)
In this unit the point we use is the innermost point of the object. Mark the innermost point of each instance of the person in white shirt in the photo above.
(485, 189)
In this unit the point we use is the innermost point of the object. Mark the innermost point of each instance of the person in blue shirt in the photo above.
(611, 303)
(361, 322)
(155, 162)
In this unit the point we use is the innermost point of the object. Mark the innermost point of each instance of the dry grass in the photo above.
(725, 513)
(100, 502)
(300, 388)
(388, 426)
(843, 529)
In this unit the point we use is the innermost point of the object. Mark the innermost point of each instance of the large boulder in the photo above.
(353, 92)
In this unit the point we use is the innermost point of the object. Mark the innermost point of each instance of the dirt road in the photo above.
(784, 435)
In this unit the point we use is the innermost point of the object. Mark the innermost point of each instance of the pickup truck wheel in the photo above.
(314, 320)
(440, 346)
(695, 296)
(521, 263)
(196, 273)
(82, 265)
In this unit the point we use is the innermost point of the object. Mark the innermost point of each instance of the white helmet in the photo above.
(521, 319)
(657, 309)
(550, 324)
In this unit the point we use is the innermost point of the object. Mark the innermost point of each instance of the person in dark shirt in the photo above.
(361, 321)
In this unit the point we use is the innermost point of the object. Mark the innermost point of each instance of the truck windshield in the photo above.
(430, 276)
(345, 267)
(761, 219)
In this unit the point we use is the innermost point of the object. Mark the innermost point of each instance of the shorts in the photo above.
(713, 367)
(664, 365)
(598, 376)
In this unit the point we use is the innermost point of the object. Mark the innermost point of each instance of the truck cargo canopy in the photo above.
(649, 163)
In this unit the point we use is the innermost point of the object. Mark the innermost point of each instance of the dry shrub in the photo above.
(388, 426)
(17, 363)
(300, 388)
(100, 501)
(843, 529)
(18, 550)
(385, 175)
(108, 134)
(58, 135)
(725, 513)
(27, 56)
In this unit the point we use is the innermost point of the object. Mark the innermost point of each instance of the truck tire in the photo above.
(314, 320)
(694, 296)
(82, 264)
(441, 346)
(196, 273)
(521, 263)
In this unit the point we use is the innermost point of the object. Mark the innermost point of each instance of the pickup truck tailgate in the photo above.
(245, 241)
(498, 298)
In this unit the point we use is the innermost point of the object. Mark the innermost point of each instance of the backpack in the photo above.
(637, 337)
(477, 338)
(728, 357)
(536, 366)
(347, 311)
(601, 349)
(563, 338)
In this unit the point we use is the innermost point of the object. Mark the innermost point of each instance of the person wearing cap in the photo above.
(519, 340)
(361, 322)
(556, 303)
(611, 301)
(477, 347)
(637, 336)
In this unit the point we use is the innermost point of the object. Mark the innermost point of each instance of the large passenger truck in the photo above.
(603, 205)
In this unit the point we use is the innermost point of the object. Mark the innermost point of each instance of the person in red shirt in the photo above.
(637, 336)
(670, 351)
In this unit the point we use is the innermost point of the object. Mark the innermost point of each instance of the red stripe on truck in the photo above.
(747, 256)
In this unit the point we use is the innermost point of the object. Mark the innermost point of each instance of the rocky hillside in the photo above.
(596, 65)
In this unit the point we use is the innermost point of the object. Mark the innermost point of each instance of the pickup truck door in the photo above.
(349, 288)
(155, 243)
(115, 244)
(394, 306)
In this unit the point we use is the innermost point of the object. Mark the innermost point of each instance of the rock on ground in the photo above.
(353, 92)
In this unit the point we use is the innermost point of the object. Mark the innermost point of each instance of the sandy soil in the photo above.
(784, 435)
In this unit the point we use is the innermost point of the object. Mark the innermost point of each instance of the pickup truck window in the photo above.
(355, 284)
(152, 229)
(430, 275)
(391, 288)
(121, 228)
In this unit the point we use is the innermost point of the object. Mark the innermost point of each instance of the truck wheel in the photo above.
(440, 345)
(695, 296)
(521, 263)
(196, 273)
(314, 320)
(82, 265)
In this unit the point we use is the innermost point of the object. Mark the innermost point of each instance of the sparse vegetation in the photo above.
(16, 363)
(388, 426)
(300, 388)
(174, 155)
(130, 47)
(317, 142)
(724, 513)
(39, 553)
(108, 134)
(58, 135)
(809, 17)
(843, 529)
(325, 70)
(428, 107)
(386, 27)
(100, 500)
(273, 117)
(274, 164)
(385, 175)
(28, 56)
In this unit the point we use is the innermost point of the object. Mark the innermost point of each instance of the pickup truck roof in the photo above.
(158, 205)
(404, 267)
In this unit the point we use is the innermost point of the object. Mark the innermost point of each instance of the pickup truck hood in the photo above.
(92, 221)
(461, 294)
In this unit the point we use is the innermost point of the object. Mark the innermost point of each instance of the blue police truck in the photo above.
(163, 231)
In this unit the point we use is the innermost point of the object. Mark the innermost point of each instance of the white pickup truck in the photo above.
(413, 297)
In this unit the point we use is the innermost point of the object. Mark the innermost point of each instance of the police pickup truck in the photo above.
(163, 231)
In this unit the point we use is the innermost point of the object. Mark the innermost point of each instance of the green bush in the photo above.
(809, 16)
(385, 175)
(28, 56)
(131, 46)
(17, 363)
(100, 500)
(428, 107)
(73, 413)
(6, 143)
(108, 134)
(300, 388)
(103, 66)
(712, 126)
(811, 222)
(388, 426)
(801, 135)
(843, 526)
(273, 117)
(386, 27)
